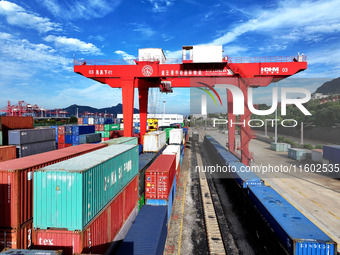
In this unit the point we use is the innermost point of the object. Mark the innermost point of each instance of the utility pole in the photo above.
(301, 133)
(77, 112)
(276, 118)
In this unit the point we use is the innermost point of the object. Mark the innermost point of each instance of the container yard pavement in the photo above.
(316, 196)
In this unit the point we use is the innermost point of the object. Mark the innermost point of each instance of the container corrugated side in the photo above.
(296, 233)
(78, 188)
(145, 160)
(7, 153)
(154, 141)
(122, 140)
(16, 187)
(176, 136)
(151, 219)
(20, 238)
(25, 136)
(173, 150)
(98, 234)
(332, 153)
(90, 138)
(11, 122)
(25, 150)
(159, 177)
(317, 155)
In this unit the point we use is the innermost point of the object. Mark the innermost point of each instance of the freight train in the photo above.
(278, 225)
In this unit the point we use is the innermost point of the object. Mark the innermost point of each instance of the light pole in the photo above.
(163, 113)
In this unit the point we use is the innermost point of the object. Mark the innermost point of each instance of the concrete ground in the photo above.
(316, 196)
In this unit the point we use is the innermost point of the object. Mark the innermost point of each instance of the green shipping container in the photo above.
(71, 193)
(107, 127)
(114, 127)
(122, 140)
(167, 131)
(106, 134)
(141, 202)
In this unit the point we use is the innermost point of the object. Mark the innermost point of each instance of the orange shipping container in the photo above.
(7, 153)
(10, 123)
(17, 238)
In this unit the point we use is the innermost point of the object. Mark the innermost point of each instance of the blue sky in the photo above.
(38, 39)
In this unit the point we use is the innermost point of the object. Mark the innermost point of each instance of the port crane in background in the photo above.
(201, 66)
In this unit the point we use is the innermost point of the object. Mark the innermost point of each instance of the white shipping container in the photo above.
(121, 126)
(176, 136)
(207, 53)
(317, 155)
(91, 121)
(151, 54)
(154, 141)
(173, 150)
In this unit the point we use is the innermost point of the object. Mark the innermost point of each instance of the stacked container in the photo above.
(160, 182)
(297, 154)
(11, 123)
(174, 150)
(87, 196)
(154, 141)
(7, 153)
(176, 136)
(16, 193)
(32, 141)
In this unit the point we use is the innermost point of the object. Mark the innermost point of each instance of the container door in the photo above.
(150, 185)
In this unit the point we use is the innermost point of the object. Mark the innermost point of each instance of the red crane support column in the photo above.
(128, 92)
(143, 110)
(231, 120)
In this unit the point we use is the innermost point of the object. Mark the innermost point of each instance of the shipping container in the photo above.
(145, 160)
(78, 188)
(159, 177)
(98, 234)
(16, 187)
(84, 129)
(31, 252)
(154, 141)
(244, 178)
(25, 150)
(280, 146)
(80, 121)
(151, 219)
(297, 154)
(173, 150)
(226, 157)
(75, 139)
(176, 136)
(11, 122)
(90, 138)
(317, 155)
(25, 136)
(7, 153)
(68, 130)
(20, 238)
(0, 137)
(61, 130)
(297, 234)
(91, 121)
(165, 202)
(122, 140)
(332, 153)
(85, 120)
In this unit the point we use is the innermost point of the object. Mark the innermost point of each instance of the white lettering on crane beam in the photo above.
(270, 70)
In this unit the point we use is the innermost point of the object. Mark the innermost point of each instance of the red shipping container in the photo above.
(106, 138)
(80, 121)
(10, 122)
(7, 153)
(96, 127)
(17, 239)
(160, 176)
(138, 137)
(61, 130)
(96, 237)
(101, 127)
(16, 187)
(61, 138)
(63, 145)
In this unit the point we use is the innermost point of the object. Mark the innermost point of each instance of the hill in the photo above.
(72, 109)
(330, 87)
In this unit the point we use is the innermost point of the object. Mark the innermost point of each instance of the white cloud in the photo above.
(18, 16)
(160, 5)
(166, 37)
(124, 54)
(289, 15)
(144, 29)
(73, 44)
(80, 9)
(25, 53)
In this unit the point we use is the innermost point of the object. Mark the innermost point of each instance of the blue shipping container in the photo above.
(68, 138)
(244, 178)
(68, 130)
(147, 234)
(297, 234)
(85, 120)
(332, 153)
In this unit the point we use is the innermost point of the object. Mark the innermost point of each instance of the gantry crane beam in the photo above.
(241, 72)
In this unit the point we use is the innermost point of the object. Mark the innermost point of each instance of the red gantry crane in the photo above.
(201, 66)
